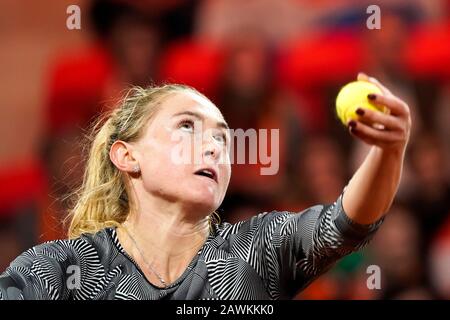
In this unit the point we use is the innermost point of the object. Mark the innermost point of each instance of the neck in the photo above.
(166, 238)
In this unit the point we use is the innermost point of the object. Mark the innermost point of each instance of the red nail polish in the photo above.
(352, 124)
(371, 96)
(360, 112)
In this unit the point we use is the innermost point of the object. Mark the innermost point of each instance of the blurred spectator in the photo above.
(87, 81)
(132, 37)
(175, 17)
(222, 20)
(322, 169)
(430, 201)
(401, 265)
(441, 118)
(250, 99)
(440, 261)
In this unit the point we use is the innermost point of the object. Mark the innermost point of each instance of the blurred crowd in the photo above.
(267, 64)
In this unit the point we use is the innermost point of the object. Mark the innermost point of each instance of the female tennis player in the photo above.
(143, 226)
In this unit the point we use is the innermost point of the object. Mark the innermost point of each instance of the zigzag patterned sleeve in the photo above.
(45, 272)
(38, 274)
(300, 247)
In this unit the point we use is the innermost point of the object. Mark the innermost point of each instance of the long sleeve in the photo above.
(38, 273)
(61, 269)
(289, 250)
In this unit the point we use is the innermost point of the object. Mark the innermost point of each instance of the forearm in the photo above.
(370, 192)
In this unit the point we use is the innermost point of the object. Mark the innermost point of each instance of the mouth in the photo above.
(207, 172)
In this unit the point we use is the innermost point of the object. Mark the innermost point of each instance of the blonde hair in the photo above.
(102, 200)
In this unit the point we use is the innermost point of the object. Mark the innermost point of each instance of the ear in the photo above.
(121, 155)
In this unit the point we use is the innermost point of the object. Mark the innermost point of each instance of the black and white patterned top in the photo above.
(270, 256)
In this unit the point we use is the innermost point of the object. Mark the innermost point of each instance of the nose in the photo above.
(211, 151)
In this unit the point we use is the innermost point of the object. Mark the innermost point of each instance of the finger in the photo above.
(366, 132)
(371, 117)
(364, 139)
(364, 77)
(394, 104)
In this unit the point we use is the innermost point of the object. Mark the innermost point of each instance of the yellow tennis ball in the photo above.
(354, 95)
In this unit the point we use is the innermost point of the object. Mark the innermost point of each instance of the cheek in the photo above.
(183, 149)
(158, 164)
(226, 174)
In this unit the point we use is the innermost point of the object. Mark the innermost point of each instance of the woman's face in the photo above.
(184, 153)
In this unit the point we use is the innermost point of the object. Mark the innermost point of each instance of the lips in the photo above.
(207, 172)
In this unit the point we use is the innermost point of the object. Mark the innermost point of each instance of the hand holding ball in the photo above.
(354, 95)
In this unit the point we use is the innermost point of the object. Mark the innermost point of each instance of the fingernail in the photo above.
(352, 124)
(371, 96)
(360, 112)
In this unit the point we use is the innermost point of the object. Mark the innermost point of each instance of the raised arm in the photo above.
(300, 247)
(371, 190)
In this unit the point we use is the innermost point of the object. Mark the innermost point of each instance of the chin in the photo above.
(204, 203)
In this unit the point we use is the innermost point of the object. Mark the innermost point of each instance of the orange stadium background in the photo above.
(266, 64)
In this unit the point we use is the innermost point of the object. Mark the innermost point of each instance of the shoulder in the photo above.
(44, 271)
(67, 251)
(265, 221)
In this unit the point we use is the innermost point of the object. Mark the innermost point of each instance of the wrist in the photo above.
(392, 151)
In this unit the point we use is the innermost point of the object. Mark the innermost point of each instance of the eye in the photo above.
(221, 137)
(186, 125)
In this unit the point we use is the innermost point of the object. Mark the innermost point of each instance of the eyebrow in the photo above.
(197, 115)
